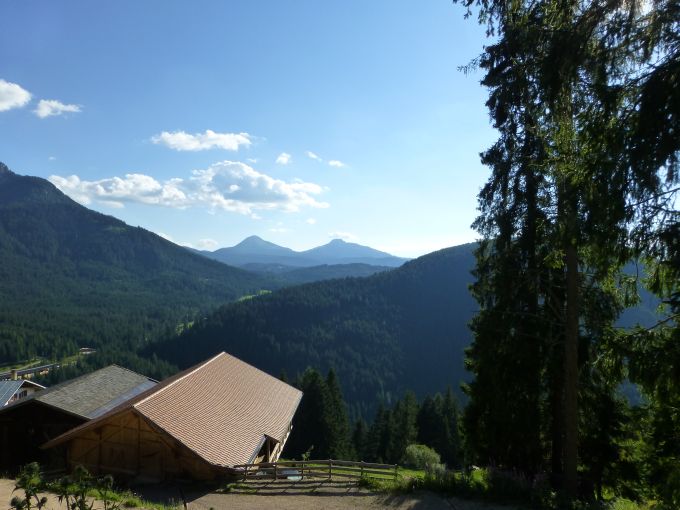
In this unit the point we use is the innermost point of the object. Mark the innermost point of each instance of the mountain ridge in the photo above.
(74, 277)
(401, 329)
(255, 250)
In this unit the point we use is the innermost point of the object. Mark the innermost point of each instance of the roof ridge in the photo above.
(130, 370)
(172, 383)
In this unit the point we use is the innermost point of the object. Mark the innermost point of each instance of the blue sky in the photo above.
(298, 121)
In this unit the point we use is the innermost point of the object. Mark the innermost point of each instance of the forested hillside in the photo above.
(73, 277)
(297, 275)
(398, 330)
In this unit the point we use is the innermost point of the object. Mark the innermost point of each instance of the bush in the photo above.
(419, 456)
(28, 481)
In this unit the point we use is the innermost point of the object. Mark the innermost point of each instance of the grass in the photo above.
(18, 365)
(480, 484)
(241, 487)
(253, 296)
(126, 498)
(626, 504)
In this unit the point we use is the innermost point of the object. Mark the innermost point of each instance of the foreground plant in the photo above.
(29, 482)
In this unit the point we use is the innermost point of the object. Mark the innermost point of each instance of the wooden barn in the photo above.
(197, 425)
(27, 423)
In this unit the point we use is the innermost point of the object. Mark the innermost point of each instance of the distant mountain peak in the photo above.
(4, 169)
(255, 250)
(256, 245)
(253, 240)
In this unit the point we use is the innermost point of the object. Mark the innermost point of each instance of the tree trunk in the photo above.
(570, 426)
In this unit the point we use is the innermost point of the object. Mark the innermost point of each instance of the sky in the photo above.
(210, 121)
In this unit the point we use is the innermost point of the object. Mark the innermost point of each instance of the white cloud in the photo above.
(182, 141)
(169, 238)
(336, 163)
(52, 107)
(12, 96)
(345, 236)
(311, 221)
(52, 158)
(207, 244)
(229, 186)
(284, 158)
(252, 160)
(313, 156)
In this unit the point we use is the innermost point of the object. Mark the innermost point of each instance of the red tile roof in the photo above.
(221, 409)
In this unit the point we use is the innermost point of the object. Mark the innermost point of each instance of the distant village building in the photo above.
(11, 391)
(197, 424)
(29, 422)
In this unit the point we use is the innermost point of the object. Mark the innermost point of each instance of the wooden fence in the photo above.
(326, 469)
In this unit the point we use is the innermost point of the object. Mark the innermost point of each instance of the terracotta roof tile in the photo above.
(221, 409)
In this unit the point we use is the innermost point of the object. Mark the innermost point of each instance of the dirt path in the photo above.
(287, 496)
(323, 495)
(6, 495)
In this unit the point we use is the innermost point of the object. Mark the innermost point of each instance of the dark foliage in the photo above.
(403, 329)
(72, 277)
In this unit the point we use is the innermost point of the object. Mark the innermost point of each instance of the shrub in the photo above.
(420, 456)
(28, 481)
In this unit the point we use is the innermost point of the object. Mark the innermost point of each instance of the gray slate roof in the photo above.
(93, 394)
(8, 388)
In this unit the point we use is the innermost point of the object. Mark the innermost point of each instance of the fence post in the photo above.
(396, 466)
(245, 473)
(362, 468)
(330, 469)
(276, 471)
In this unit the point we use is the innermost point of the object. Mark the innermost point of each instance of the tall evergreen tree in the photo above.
(340, 446)
(574, 193)
(360, 440)
(310, 425)
(405, 431)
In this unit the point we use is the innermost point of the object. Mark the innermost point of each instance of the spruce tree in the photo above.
(339, 441)
(574, 193)
(310, 424)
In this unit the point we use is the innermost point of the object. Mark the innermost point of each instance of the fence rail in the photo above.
(326, 469)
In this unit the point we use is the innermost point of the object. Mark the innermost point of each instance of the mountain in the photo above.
(290, 275)
(396, 330)
(255, 250)
(341, 252)
(73, 277)
(402, 329)
(255, 244)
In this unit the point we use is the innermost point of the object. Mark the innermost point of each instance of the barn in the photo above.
(196, 425)
(27, 423)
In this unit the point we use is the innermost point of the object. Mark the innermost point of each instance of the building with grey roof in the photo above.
(200, 423)
(13, 390)
(29, 422)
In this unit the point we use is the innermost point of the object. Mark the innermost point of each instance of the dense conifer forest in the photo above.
(72, 277)
(385, 334)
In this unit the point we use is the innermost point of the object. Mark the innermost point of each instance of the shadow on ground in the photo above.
(296, 488)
